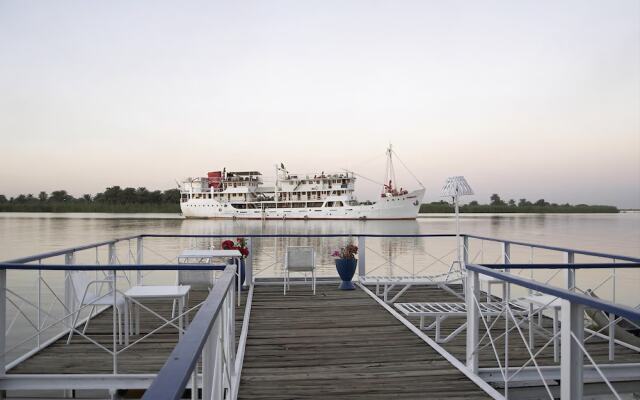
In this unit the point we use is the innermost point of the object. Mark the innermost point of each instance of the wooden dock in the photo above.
(83, 357)
(597, 347)
(340, 345)
(336, 344)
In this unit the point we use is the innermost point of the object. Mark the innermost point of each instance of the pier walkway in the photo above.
(340, 344)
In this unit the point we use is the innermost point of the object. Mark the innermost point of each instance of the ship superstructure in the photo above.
(242, 194)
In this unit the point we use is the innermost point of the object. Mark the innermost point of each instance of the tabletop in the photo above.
(158, 291)
(203, 253)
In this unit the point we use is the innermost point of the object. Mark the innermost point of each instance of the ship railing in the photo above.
(206, 355)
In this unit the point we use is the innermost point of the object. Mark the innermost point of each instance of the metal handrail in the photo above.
(564, 294)
(172, 379)
(62, 252)
(333, 235)
(112, 267)
(635, 264)
(555, 248)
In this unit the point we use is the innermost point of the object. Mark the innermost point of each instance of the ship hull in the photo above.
(387, 208)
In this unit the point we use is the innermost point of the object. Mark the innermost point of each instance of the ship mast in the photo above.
(390, 173)
(275, 189)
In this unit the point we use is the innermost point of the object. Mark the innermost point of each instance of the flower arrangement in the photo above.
(240, 245)
(347, 252)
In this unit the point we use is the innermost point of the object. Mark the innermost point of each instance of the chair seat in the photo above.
(300, 269)
(490, 279)
(544, 300)
(106, 300)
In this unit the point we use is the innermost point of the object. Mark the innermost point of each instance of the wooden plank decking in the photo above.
(340, 345)
(597, 347)
(84, 357)
(336, 344)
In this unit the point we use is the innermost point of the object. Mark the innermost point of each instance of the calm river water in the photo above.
(29, 233)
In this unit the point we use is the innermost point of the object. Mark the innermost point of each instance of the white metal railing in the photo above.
(48, 315)
(210, 339)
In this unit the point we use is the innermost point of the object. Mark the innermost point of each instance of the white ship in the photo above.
(242, 195)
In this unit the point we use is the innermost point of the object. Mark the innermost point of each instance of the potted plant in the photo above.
(241, 246)
(346, 262)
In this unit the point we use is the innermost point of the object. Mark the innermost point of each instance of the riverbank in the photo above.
(433, 208)
(87, 207)
(444, 208)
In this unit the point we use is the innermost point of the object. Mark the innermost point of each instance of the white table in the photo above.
(207, 256)
(200, 256)
(545, 301)
(179, 293)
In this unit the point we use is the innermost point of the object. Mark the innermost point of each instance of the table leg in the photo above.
(531, 316)
(137, 316)
(126, 322)
(181, 310)
(555, 337)
(186, 305)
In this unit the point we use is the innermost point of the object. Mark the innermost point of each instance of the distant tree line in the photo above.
(498, 205)
(113, 199)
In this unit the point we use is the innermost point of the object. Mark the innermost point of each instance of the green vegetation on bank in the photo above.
(497, 205)
(131, 200)
(113, 200)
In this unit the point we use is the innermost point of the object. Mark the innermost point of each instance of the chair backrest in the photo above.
(300, 258)
(80, 281)
(196, 279)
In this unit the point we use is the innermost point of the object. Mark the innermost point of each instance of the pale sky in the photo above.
(534, 99)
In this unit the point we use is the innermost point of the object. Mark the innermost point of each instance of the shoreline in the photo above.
(178, 216)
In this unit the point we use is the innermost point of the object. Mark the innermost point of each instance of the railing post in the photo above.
(571, 362)
(570, 273)
(69, 295)
(473, 320)
(111, 256)
(465, 251)
(112, 253)
(362, 252)
(208, 355)
(506, 253)
(139, 259)
(39, 303)
(248, 273)
(3, 321)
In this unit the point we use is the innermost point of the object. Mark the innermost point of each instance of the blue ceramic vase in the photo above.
(346, 269)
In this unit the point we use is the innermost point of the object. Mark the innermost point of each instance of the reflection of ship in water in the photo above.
(395, 255)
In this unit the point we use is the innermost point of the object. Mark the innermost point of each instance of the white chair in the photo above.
(299, 259)
(90, 293)
(202, 280)
(443, 311)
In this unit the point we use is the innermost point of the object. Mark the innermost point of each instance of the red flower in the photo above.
(227, 244)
